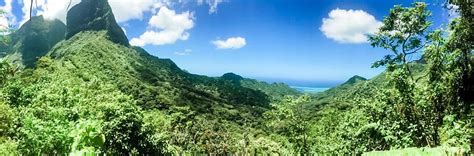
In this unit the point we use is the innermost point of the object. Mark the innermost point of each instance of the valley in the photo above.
(81, 88)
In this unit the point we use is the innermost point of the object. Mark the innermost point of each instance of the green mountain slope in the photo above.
(340, 122)
(89, 71)
(94, 93)
(137, 73)
(337, 92)
(358, 86)
(354, 80)
(275, 90)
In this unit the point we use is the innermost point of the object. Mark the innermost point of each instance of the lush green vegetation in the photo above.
(277, 91)
(90, 95)
(114, 90)
(410, 104)
(419, 151)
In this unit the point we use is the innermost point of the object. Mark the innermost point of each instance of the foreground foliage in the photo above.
(89, 96)
(411, 104)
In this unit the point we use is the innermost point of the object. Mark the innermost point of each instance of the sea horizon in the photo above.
(305, 89)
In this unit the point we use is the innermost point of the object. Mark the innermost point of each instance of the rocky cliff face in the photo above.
(94, 15)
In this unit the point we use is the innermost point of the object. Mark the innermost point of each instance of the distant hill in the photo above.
(275, 90)
(360, 86)
(354, 80)
(332, 93)
(232, 77)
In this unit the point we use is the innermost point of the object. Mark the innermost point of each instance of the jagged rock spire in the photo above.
(94, 15)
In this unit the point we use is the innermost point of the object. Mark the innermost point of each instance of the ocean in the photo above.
(309, 89)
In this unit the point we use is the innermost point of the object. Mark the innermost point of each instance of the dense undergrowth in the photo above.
(94, 85)
(90, 95)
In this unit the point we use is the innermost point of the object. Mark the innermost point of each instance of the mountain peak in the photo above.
(94, 15)
(232, 77)
(355, 79)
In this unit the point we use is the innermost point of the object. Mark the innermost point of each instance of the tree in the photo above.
(404, 33)
(461, 41)
(7, 70)
(291, 119)
(416, 110)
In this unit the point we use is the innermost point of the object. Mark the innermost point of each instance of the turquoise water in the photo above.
(309, 89)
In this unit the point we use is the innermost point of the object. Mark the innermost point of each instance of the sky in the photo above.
(317, 43)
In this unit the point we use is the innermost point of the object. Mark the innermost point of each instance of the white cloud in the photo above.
(452, 10)
(212, 4)
(124, 10)
(8, 6)
(230, 43)
(54, 9)
(4, 23)
(7, 18)
(349, 26)
(50, 9)
(168, 19)
(166, 27)
(124, 30)
(186, 52)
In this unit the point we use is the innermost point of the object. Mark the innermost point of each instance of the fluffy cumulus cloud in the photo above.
(50, 9)
(124, 10)
(166, 27)
(230, 43)
(349, 26)
(7, 8)
(7, 18)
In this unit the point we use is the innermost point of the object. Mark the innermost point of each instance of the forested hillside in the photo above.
(412, 104)
(82, 89)
(89, 94)
(276, 91)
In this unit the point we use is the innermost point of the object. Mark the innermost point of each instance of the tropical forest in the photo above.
(236, 77)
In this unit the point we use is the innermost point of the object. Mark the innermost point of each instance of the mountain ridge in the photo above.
(275, 90)
(127, 100)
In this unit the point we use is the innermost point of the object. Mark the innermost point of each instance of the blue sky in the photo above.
(280, 40)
